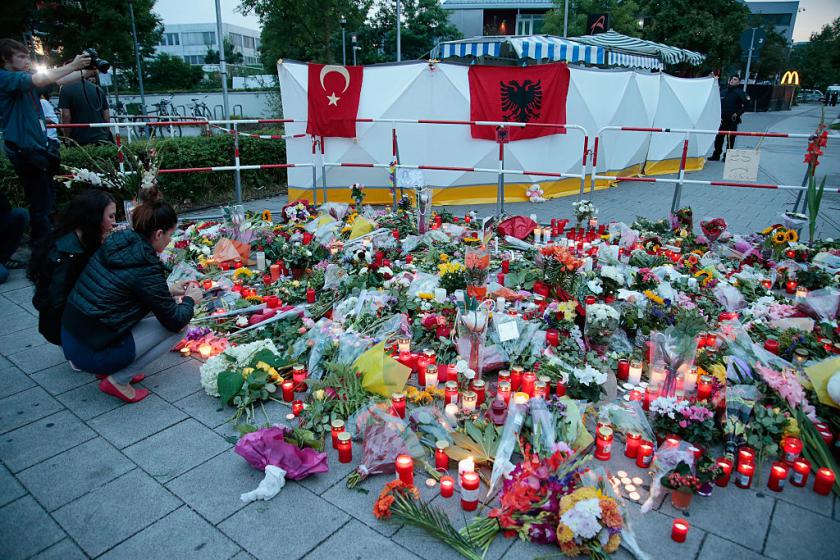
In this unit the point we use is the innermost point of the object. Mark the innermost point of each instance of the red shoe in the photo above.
(108, 388)
(136, 379)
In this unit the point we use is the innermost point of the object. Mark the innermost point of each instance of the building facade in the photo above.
(498, 17)
(781, 15)
(192, 41)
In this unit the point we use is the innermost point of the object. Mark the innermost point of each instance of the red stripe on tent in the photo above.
(585, 148)
(749, 185)
(684, 154)
(542, 173)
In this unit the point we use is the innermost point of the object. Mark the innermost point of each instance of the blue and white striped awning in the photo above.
(544, 47)
(634, 60)
(634, 45)
(468, 48)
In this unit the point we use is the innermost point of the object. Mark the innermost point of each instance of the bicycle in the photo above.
(120, 113)
(165, 108)
(200, 110)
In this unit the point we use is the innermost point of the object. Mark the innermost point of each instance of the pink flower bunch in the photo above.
(696, 414)
(788, 387)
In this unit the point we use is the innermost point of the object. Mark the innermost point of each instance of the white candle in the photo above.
(690, 381)
(634, 375)
(801, 292)
(500, 304)
(657, 375)
(451, 412)
(431, 376)
(260, 261)
(466, 465)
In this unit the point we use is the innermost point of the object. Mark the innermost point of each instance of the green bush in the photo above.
(183, 190)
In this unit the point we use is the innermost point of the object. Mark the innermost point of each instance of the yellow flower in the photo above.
(719, 372)
(254, 299)
(704, 276)
(319, 395)
(266, 215)
(444, 258)
(425, 295)
(767, 230)
(449, 268)
(471, 240)
(243, 272)
(791, 427)
(246, 372)
(779, 237)
(653, 297)
(792, 236)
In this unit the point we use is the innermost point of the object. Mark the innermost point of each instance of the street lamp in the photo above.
(355, 47)
(343, 22)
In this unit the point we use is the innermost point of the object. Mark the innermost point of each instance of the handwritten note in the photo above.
(741, 165)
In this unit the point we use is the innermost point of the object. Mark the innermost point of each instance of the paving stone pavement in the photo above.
(86, 476)
(83, 475)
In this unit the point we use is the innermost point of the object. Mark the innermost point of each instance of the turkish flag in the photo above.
(533, 94)
(333, 102)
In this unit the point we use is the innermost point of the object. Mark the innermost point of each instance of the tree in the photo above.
(425, 23)
(70, 27)
(624, 16)
(305, 29)
(170, 72)
(711, 27)
(773, 56)
(232, 56)
(818, 61)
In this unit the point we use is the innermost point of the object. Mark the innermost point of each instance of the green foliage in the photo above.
(229, 383)
(183, 190)
(69, 27)
(171, 72)
(818, 61)
(773, 56)
(814, 199)
(232, 56)
(425, 23)
(624, 16)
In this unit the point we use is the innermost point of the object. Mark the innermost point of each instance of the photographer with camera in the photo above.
(25, 129)
(84, 102)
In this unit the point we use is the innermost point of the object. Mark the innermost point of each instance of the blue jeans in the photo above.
(12, 225)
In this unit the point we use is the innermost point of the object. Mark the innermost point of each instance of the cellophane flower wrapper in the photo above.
(267, 446)
(529, 343)
(729, 297)
(601, 323)
(335, 209)
(598, 478)
(507, 443)
(182, 272)
(666, 459)
(675, 351)
(628, 416)
(822, 304)
(385, 436)
(431, 424)
(542, 423)
(422, 283)
(740, 401)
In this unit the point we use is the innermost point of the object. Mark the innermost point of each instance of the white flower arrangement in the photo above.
(234, 356)
(584, 209)
(667, 406)
(601, 313)
(613, 273)
(582, 519)
(588, 375)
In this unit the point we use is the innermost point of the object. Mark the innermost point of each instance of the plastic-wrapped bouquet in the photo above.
(601, 323)
(584, 210)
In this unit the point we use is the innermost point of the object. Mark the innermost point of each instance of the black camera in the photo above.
(97, 63)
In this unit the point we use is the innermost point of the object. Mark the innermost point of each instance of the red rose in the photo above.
(429, 322)
(443, 331)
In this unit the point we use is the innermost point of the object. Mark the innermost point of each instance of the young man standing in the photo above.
(25, 130)
(733, 102)
(85, 102)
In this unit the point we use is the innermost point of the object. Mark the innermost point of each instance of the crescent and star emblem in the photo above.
(333, 99)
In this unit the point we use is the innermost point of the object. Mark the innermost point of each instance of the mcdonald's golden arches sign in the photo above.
(791, 77)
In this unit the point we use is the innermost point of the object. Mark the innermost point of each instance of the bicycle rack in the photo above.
(220, 108)
(241, 112)
(182, 109)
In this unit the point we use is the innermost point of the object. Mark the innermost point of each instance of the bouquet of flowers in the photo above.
(713, 229)
(682, 220)
(778, 238)
(612, 279)
(476, 262)
(357, 193)
(451, 276)
(584, 211)
(681, 479)
(601, 323)
(586, 383)
(590, 523)
(141, 171)
(694, 423)
(559, 267)
(385, 437)
(298, 257)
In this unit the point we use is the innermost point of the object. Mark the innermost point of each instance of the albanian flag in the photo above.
(333, 100)
(533, 94)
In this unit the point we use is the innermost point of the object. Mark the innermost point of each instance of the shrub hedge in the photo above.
(183, 190)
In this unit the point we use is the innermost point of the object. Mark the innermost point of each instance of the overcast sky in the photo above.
(816, 14)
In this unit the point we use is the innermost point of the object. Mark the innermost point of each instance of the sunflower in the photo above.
(792, 236)
(266, 215)
(242, 272)
(704, 276)
(779, 237)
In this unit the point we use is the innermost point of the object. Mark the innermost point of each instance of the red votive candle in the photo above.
(405, 469)
(746, 456)
(299, 377)
(711, 340)
(560, 388)
(310, 295)
(505, 266)
(778, 476)
(398, 404)
(288, 387)
(479, 387)
(528, 380)
(421, 362)
(823, 481)
(469, 490)
(772, 346)
(603, 443)
(791, 449)
(801, 470)
(790, 286)
(336, 428)
(450, 392)
(743, 477)
(704, 387)
(552, 337)
(297, 407)
(207, 284)
(345, 448)
(635, 395)
(623, 370)
(275, 272)
(590, 300)
(516, 378)
(503, 391)
(631, 444)
(447, 486)
(441, 458)
(679, 530)
(726, 465)
(451, 373)
(645, 455)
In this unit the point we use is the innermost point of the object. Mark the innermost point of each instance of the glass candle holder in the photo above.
(603, 443)
(450, 393)
(503, 391)
(634, 372)
(744, 475)
(431, 375)
(644, 457)
(725, 465)
(447, 486)
(469, 491)
(469, 400)
(345, 448)
(516, 373)
(336, 428)
(801, 470)
(679, 530)
(631, 444)
(404, 466)
(441, 458)
(778, 476)
(404, 345)
(529, 378)
(398, 404)
(479, 387)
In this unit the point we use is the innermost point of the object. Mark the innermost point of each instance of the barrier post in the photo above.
(395, 153)
(592, 179)
(237, 179)
(501, 135)
(675, 203)
(323, 169)
(120, 155)
(584, 161)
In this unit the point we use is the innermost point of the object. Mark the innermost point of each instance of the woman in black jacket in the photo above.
(105, 329)
(58, 261)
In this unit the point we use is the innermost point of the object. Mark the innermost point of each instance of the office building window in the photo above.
(202, 38)
(170, 39)
(248, 42)
(529, 24)
(236, 39)
(194, 59)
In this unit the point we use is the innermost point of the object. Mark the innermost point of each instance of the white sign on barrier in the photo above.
(741, 165)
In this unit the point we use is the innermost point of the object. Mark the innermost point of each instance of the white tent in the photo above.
(419, 90)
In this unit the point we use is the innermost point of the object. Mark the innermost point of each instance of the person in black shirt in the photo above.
(81, 103)
(733, 102)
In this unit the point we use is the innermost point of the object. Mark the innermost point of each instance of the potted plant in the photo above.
(683, 484)
(707, 472)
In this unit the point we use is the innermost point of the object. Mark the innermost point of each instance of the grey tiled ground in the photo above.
(84, 475)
